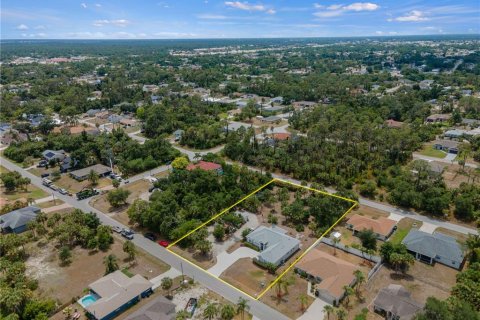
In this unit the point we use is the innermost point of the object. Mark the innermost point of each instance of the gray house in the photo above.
(57, 155)
(394, 302)
(274, 244)
(449, 146)
(16, 221)
(178, 134)
(158, 309)
(436, 247)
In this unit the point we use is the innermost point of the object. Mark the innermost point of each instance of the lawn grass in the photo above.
(403, 228)
(399, 235)
(3, 170)
(32, 192)
(127, 272)
(429, 151)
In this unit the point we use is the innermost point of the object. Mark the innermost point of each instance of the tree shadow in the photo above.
(401, 276)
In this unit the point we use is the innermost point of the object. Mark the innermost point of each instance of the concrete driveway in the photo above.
(225, 260)
(395, 217)
(428, 227)
(450, 157)
(315, 311)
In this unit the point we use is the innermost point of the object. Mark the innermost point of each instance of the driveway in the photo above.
(315, 311)
(225, 260)
(450, 157)
(428, 227)
(395, 217)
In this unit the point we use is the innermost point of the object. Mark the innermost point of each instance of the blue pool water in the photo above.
(87, 300)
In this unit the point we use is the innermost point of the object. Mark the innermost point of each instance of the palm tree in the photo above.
(93, 177)
(166, 284)
(335, 242)
(210, 311)
(227, 312)
(328, 309)
(341, 313)
(242, 306)
(348, 293)
(110, 263)
(472, 245)
(360, 279)
(197, 156)
(303, 298)
(182, 315)
(129, 248)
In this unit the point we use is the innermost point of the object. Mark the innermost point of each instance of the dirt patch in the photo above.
(289, 304)
(461, 238)
(65, 283)
(247, 276)
(369, 212)
(454, 175)
(136, 188)
(203, 261)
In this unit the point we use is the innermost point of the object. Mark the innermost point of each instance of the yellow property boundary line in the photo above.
(355, 203)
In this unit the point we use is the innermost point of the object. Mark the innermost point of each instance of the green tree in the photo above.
(211, 311)
(182, 315)
(130, 250)
(115, 183)
(118, 197)
(348, 292)
(110, 263)
(180, 163)
(204, 246)
(329, 310)
(65, 255)
(303, 299)
(93, 177)
(219, 232)
(368, 239)
(227, 312)
(242, 307)
(341, 313)
(359, 280)
(167, 284)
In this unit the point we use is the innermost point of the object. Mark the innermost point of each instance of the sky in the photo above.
(144, 19)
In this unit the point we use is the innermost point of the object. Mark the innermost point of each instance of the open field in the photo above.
(51, 203)
(190, 254)
(454, 175)
(86, 267)
(32, 192)
(137, 189)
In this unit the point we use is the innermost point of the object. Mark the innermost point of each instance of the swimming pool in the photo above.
(87, 300)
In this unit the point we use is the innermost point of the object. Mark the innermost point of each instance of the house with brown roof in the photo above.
(394, 302)
(329, 272)
(382, 227)
(114, 293)
(206, 166)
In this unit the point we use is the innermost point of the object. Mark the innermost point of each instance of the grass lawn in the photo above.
(31, 192)
(50, 203)
(136, 188)
(75, 186)
(429, 151)
(3, 170)
(403, 228)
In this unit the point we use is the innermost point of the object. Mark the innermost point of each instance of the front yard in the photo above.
(429, 151)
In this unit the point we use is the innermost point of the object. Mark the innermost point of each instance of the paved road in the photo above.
(257, 308)
(444, 160)
(389, 208)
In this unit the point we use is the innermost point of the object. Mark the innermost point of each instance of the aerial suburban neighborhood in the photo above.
(245, 177)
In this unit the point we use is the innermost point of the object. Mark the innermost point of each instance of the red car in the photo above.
(163, 243)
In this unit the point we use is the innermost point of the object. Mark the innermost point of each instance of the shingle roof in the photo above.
(381, 225)
(158, 309)
(115, 289)
(433, 245)
(277, 242)
(334, 272)
(397, 300)
(98, 168)
(19, 217)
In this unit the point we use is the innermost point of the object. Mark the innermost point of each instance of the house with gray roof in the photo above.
(449, 146)
(394, 302)
(82, 174)
(158, 309)
(274, 244)
(436, 247)
(114, 293)
(57, 155)
(16, 221)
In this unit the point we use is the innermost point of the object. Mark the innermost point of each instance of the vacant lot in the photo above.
(65, 283)
(364, 265)
(247, 276)
(454, 175)
(203, 261)
(289, 303)
(137, 189)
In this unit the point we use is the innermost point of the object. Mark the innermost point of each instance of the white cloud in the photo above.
(117, 22)
(166, 34)
(211, 17)
(40, 27)
(83, 5)
(249, 7)
(336, 10)
(98, 5)
(22, 27)
(362, 6)
(34, 35)
(379, 32)
(412, 16)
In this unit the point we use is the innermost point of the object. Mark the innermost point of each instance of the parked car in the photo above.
(42, 163)
(150, 236)
(44, 175)
(54, 187)
(63, 191)
(163, 243)
(128, 236)
(116, 229)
